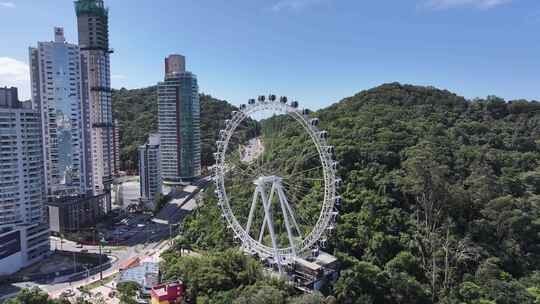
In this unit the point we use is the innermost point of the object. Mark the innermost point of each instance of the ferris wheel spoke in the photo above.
(290, 176)
(286, 208)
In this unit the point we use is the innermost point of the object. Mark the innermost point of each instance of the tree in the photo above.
(314, 298)
(127, 292)
(439, 252)
(361, 283)
(31, 296)
(261, 295)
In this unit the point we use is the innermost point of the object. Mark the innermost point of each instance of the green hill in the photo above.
(136, 111)
(441, 198)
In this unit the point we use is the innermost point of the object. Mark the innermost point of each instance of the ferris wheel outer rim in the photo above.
(328, 212)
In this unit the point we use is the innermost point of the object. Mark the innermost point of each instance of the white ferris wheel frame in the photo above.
(327, 217)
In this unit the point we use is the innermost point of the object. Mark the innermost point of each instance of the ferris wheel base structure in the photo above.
(269, 195)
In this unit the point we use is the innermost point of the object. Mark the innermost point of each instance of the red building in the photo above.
(167, 293)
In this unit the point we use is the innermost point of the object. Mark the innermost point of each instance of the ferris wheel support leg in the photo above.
(252, 211)
(282, 194)
(282, 202)
(263, 227)
(268, 216)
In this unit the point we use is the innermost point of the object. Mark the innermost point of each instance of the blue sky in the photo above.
(317, 51)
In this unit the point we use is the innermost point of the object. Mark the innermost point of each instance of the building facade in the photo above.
(116, 149)
(149, 171)
(168, 293)
(24, 234)
(56, 93)
(179, 123)
(71, 213)
(93, 30)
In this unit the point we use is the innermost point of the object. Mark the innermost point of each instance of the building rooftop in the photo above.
(324, 259)
(168, 292)
(90, 7)
(75, 199)
(146, 275)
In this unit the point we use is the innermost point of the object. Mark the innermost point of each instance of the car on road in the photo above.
(79, 245)
(84, 251)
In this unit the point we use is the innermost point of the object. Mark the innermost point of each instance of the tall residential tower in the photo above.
(56, 93)
(93, 29)
(179, 123)
(24, 234)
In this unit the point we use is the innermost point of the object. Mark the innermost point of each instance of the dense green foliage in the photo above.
(127, 292)
(441, 198)
(31, 296)
(229, 277)
(37, 296)
(136, 111)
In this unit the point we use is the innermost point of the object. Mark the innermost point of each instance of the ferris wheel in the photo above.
(278, 202)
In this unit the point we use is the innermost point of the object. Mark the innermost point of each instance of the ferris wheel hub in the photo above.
(263, 180)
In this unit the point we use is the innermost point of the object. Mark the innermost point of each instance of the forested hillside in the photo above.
(441, 200)
(137, 109)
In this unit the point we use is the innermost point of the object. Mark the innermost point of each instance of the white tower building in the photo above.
(24, 234)
(56, 93)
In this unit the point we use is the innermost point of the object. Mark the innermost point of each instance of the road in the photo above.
(144, 243)
(121, 256)
(252, 150)
(145, 238)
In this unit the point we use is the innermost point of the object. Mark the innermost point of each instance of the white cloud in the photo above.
(118, 76)
(7, 4)
(481, 4)
(17, 74)
(292, 4)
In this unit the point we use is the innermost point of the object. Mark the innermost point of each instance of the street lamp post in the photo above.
(74, 263)
(101, 242)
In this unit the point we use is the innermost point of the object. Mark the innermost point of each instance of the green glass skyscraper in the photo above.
(179, 123)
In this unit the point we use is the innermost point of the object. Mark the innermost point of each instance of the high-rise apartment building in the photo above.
(24, 234)
(56, 93)
(149, 171)
(93, 29)
(179, 123)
